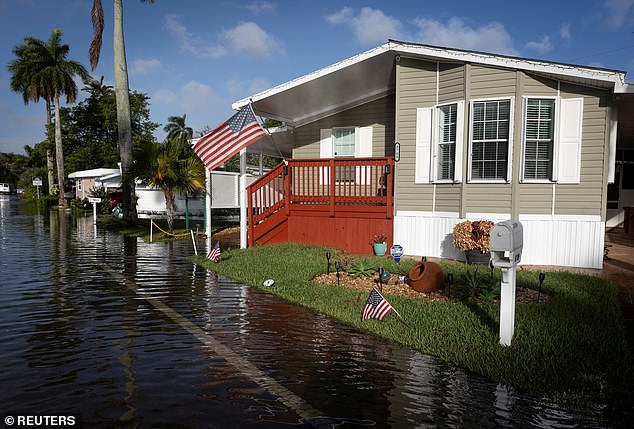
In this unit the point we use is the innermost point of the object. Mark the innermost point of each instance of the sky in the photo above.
(198, 57)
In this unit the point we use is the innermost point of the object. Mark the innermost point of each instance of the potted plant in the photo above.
(473, 238)
(379, 242)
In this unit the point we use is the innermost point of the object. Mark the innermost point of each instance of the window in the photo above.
(343, 142)
(439, 143)
(539, 138)
(446, 138)
(490, 124)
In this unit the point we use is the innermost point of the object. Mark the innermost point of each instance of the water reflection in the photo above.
(82, 336)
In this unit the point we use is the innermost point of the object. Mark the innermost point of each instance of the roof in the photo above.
(96, 172)
(371, 75)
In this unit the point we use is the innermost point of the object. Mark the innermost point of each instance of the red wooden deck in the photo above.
(334, 202)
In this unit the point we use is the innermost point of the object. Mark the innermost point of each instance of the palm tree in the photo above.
(171, 166)
(43, 70)
(122, 93)
(177, 130)
(22, 70)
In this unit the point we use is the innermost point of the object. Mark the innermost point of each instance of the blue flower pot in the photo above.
(380, 249)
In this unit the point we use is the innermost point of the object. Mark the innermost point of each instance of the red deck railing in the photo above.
(332, 184)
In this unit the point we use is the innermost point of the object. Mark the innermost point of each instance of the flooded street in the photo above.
(115, 332)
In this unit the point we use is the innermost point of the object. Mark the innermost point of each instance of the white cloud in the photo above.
(261, 7)
(142, 67)
(239, 88)
(491, 37)
(246, 37)
(190, 97)
(619, 12)
(250, 39)
(369, 26)
(541, 46)
(192, 43)
(564, 31)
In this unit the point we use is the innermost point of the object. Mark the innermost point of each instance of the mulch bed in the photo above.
(397, 287)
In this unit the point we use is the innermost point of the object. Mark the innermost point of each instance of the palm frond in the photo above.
(97, 25)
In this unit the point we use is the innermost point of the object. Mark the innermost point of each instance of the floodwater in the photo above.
(98, 330)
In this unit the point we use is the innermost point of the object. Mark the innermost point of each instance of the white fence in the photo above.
(224, 195)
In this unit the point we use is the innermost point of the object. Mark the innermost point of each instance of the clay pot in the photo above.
(426, 277)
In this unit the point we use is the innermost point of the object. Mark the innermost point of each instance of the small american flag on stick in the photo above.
(376, 307)
(214, 253)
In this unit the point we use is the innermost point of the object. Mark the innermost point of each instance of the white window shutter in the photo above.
(457, 175)
(569, 147)
(363, 149)
(325, 151)
(423, 145)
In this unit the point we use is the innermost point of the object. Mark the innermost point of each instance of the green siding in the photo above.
(448, 197)
(537, 86)
(488, 198)
(450, 83)
(490, 82)
(417, 87)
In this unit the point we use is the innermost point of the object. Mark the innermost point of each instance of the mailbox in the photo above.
(507, 241)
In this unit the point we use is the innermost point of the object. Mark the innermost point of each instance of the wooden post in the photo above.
(332, 187)
(286, 174)
(388, 179)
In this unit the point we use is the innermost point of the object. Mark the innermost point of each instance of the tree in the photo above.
(43, 70)
(90, 127)
(23, 69)
(177, 130)
(122, 90)
(171, 166)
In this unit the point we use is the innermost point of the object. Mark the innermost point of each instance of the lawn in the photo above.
(571, 348)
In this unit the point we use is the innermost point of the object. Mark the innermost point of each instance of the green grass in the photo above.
(572, 349)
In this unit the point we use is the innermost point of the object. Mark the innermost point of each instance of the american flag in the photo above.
(376, 307)
(214, 253)
(228, 138)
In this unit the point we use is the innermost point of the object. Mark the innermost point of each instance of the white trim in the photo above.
(561, 240)
(460, 122)
(612, 144)
(509, 155)
(615, 77)
(570, 140)
(424, 145)
(555, 118)
(458, 144)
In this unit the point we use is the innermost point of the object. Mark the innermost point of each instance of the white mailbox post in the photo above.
(94, 202)
(507, 241)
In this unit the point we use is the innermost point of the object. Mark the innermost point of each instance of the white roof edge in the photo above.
(616, 77)
(314, 75)
(626, 88)
(95, 172)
